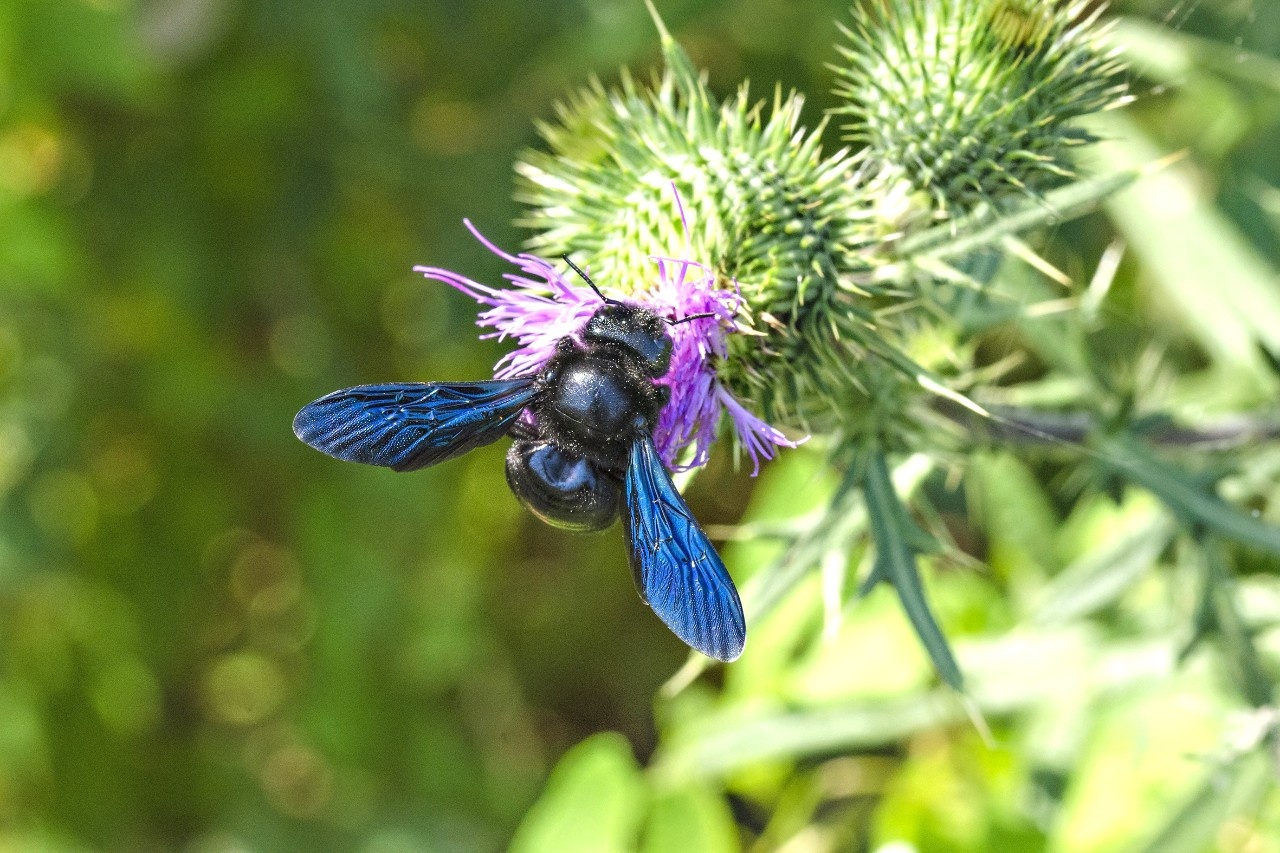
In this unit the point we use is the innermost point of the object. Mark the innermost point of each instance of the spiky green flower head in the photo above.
(967, 102)
(625, 169)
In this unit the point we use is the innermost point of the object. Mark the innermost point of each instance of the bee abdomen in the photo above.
(561, 487)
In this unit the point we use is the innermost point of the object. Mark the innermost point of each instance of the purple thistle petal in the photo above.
(758, 438)
(537, 312)
(543, 307)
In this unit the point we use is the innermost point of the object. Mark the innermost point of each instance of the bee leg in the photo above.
(522, 430)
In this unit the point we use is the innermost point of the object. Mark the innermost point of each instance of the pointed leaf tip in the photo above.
(677, 61)
(658, 23)
(896, 565)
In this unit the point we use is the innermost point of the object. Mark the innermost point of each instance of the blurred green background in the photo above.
(215, 639)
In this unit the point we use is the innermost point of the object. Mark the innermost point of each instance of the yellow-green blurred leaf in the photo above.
(690, 818)
(594, 802)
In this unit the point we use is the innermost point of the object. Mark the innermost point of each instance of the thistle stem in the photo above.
(1030, 427)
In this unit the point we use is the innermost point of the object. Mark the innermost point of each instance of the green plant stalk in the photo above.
(897, 540)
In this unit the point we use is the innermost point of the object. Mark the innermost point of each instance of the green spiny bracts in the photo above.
(970, 101)
(765, 209)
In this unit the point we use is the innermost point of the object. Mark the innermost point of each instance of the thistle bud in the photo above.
(969, 101)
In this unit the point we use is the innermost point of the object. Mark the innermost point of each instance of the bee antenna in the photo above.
(606, 300)
(701, 316)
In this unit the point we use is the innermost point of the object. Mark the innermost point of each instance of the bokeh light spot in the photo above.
(10, 352)
(297, 781)
(266, 577)
(218, 842)
(446, 128)
(414, 313)
(127, 697)
(300, 346)
(15, 454)
(65, 506)
(31, 160)
(124, 475)
(48, 385)
(244, 689)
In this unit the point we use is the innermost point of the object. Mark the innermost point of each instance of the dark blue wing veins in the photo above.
(410, 425)
(677, 571)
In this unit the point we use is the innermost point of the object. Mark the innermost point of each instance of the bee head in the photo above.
(636, 330)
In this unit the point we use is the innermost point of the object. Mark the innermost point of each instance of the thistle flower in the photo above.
(542, 307)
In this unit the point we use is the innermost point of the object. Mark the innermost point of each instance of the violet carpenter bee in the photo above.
(583, 455)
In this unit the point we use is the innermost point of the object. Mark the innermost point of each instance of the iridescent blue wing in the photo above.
(676, 569)
(411, 425)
